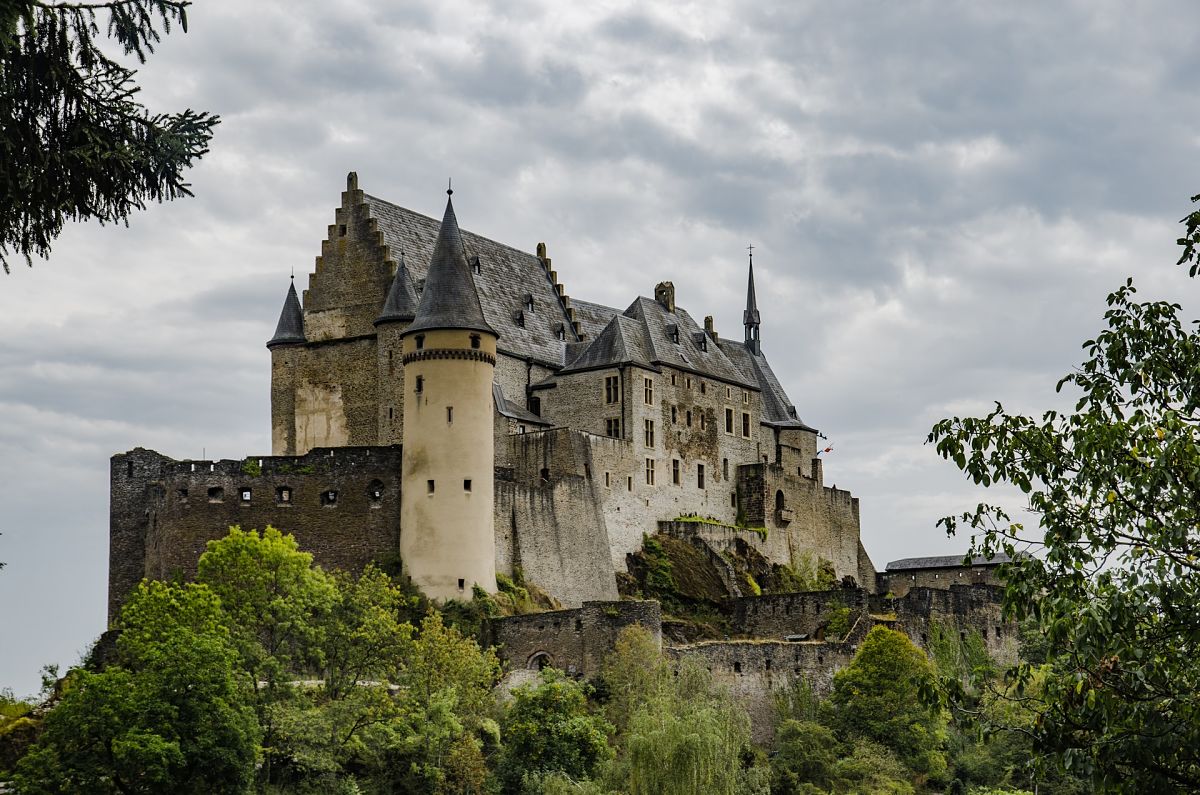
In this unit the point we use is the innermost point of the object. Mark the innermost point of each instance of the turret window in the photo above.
(419, 341)
(420, 385)
(467, 485)
(429, 486)
(475, 341)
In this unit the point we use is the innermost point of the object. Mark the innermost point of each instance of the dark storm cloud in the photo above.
(940, 195)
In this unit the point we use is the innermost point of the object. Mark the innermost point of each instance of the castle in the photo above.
(440, 398)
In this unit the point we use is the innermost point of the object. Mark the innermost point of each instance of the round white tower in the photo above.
(447, 537)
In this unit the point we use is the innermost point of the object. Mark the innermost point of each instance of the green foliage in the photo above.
(877, 697)
(75, 145)
(549, 728)
(251, 467)
(1113, 484)
(955, 657)
(805, 753)
(173, 716)
(837, 623)
(807, 572)
(753, 585)
(659, 575)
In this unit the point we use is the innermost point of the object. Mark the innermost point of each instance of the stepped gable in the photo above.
(686, 354)
(622, 341)
(290, 328)
(778, 410)
(506, 276)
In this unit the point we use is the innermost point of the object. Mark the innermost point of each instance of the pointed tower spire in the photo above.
(401, 304)
(290, 328)
(750, 318)
(449, 299)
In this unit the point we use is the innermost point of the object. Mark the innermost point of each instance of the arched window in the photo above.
(779, 500)
(539, 661)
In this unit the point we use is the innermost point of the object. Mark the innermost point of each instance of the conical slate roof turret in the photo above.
(401, 304)
(290, 328)
(449, 299)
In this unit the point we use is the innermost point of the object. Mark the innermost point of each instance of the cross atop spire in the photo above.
(751, 318)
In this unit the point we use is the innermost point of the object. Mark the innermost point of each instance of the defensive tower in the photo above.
(447, 537)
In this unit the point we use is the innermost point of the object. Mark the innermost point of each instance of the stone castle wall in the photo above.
(163, 512)
(899, 583)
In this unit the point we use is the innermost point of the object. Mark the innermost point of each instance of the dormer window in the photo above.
(528, 302)
(476, 268)
(560, 331)
(519, 318)
(673, 333)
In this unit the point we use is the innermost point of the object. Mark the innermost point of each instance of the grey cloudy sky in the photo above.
(940, 195)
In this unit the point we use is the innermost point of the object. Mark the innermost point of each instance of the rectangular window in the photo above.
(746, 398)
(629, 482)
(728, 420)
(607, 479)
(612, 427)
(449, 413)
(649, 471)
(689, 419)
(703, 421)
(612, 389)
(688, 382)
(728, 393)
(703, 388)
(674, 415)
(699, 476)
(649, 391)
(733, 500)
(466, 485)
(746, 424)
(675, 471)
(429, 486)
(649, 433)
(672, 379)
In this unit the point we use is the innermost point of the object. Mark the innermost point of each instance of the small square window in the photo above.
(245, 495)
(329, 498)
(216, 494)
(283, 495)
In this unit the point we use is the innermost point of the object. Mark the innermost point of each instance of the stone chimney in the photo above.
(664, 293)
(708, 327)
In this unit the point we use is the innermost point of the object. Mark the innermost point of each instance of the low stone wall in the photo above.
(575, 641)
(756, 671)
(781, 615)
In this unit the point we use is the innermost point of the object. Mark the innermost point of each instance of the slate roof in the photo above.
(777, 408)
(509, 409)
(505, 277)
(449, 300)
(945, 562)
(622, 341)
(592, 318)
(290, 328)
(402, 299)
(686, 354)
